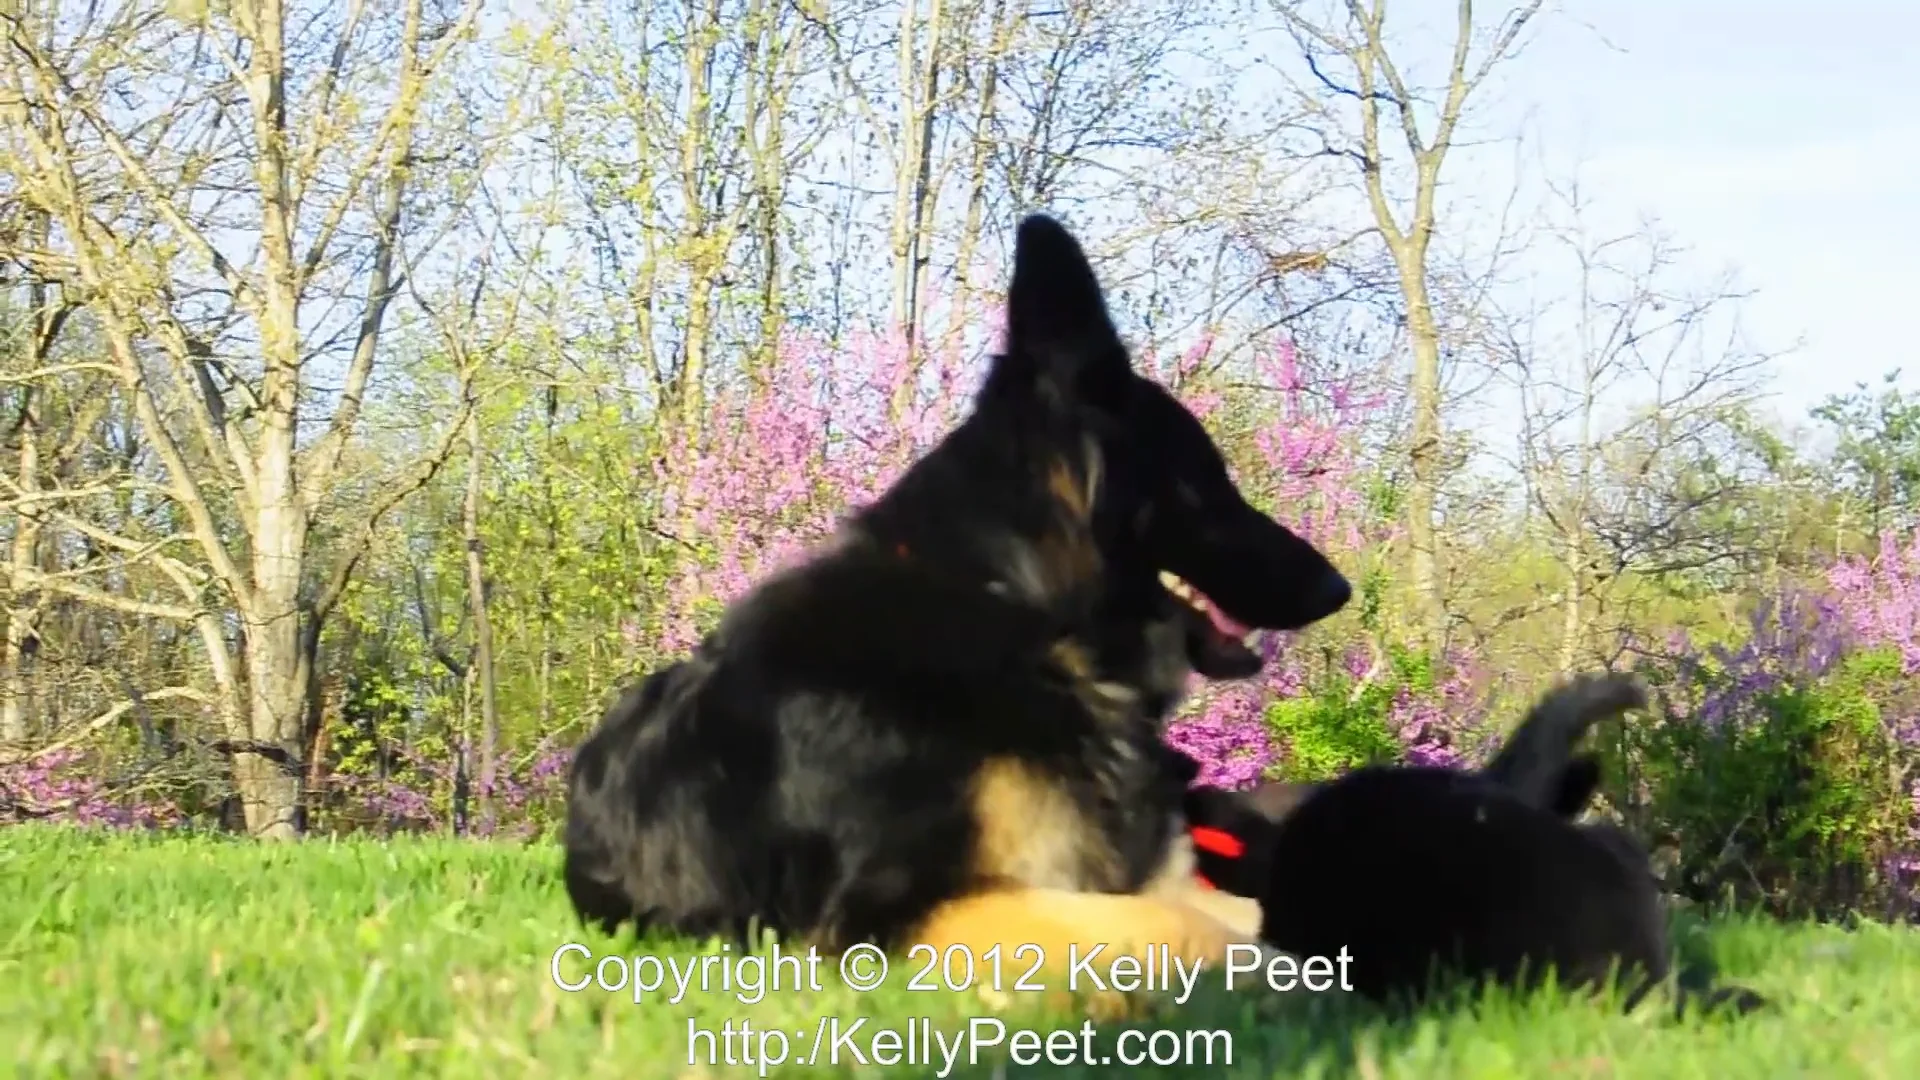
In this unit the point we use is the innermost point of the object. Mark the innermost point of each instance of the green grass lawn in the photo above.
(126, 956)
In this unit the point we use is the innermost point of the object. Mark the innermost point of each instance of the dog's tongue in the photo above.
(1224, 625)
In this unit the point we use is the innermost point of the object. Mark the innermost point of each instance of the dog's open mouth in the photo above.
(1226, 633)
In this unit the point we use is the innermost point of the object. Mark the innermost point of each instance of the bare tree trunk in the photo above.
(919, 93)
(283, 626)
(770, 313)
(1573, 521)
(771, 55)
(926, 194)
(702, 259)
(23, 609)
(905, 165)
(1002, 30)
(551, 512)
(229, 696)
(462, 795)
(266, 773)
(1423, 456)
(266, 769)
(1377, 80)
(1573, 607)
(477, 606)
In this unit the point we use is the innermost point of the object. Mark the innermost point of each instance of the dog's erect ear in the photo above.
(1057, 318)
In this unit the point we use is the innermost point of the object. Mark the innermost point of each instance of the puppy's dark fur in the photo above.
(943, 727)
(1429, 875)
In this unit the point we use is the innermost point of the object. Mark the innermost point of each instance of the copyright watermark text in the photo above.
(750, 977)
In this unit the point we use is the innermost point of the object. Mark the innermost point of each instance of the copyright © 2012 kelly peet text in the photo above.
(750, 977)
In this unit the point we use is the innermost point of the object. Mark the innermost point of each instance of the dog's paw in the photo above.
(1728, 1001)
(1240, 914)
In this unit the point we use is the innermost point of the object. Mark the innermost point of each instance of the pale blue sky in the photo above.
(1780, 145)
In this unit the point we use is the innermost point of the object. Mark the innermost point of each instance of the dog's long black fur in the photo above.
(963, 691)
(1430, 876)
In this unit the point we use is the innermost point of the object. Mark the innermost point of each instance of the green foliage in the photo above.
(1791, 802)
(1374, 583)
(1877, 456)
(375, 714)
(1342, 723)
(1329, 733)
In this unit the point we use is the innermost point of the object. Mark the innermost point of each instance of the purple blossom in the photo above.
(1233, 753)
(66, 786)
(418, 795)
(1793, 638)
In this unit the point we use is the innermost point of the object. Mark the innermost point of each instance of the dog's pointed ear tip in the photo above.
(1039, 222)
(1043, 234)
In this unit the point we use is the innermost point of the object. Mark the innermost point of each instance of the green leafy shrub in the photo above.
(1774, 788)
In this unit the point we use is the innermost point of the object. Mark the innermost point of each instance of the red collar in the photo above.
(1217, 841)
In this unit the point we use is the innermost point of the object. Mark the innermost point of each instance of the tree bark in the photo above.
(1423, 456)
(477, 607)
(1002, 29)
(919, 91)
(1378, 81)
(23, 609)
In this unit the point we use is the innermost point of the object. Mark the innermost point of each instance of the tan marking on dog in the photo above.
(1073, 658)
(1067, 554)
(1065, 486)
(1174, 877)
(1091, 462)
(1111, 703)
(1075, 484)
(1241, 914)
(1033, 833)
(1068, 560)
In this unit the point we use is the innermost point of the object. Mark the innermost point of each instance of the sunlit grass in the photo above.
(129, 956)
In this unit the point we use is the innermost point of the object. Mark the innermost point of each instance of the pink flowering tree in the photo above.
(65, 785)
(1880, 597)
(781, 460)
(1879, 601)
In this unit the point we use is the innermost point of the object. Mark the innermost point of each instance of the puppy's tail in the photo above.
(1537, 757)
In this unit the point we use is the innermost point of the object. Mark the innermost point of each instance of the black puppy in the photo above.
(1427, 876)
(941, 729)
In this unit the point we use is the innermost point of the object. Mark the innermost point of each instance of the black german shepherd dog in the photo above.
(1430, 877)
(944, 727)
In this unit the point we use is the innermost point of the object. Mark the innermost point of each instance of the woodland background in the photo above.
(385, 384)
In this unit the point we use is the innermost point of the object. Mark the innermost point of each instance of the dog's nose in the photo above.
(1334, 592)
